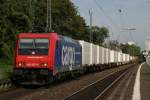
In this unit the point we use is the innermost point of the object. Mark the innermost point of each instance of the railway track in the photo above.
(87, 93)
(99, 89)
(5, 84)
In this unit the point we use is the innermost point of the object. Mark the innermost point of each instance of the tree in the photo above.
(99, 34)
(130, 49)
(26, 15)
(12, 19)
(114, 45)
(66, 20)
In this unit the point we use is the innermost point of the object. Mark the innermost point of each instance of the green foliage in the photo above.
(5, 69)
(25, 15)
(7, 51)
(13, 18)
(99, 34)
(18, 22)
(66, 21)
(130, 49)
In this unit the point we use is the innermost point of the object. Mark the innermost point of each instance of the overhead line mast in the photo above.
(49, 18)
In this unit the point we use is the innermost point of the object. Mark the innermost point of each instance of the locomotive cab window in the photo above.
(26, 43)
(41, 43)
(33, 46)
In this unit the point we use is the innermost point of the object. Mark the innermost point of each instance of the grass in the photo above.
(5, 68)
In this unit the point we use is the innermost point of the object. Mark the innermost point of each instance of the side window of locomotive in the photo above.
(41, 43)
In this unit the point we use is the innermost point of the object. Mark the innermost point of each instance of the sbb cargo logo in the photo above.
(68, 56)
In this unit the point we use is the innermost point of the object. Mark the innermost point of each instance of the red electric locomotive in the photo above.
(40, 57)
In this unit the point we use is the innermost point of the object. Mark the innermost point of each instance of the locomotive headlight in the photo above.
(19, 64)
(45, 64)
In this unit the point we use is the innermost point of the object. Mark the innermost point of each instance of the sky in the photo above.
(135, 14)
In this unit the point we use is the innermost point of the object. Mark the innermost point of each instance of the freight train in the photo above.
(44, 57)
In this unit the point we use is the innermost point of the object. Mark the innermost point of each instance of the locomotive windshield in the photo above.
(33, 46)
(26, 43)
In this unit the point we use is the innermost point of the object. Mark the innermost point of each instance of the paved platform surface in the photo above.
(145, 82)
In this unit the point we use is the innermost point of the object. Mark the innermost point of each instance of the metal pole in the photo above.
(91, 35)
(29, 12)
(32, 12)
(47, 17)
(50, 17)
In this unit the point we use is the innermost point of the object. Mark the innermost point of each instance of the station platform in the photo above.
(145, 82)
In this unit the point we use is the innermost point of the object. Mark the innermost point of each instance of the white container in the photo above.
(109, 55)
(101, 55)
(116, 57)
(86, 53)
(112, 53)
(119, 56)
(124, 57)
(98, 54)
(94, 54)
(106, 56)
(128, 57)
